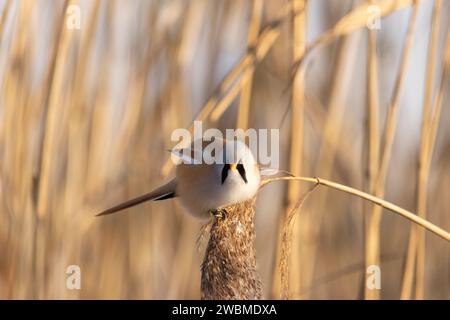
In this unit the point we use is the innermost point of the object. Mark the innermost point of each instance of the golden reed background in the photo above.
(85, 117)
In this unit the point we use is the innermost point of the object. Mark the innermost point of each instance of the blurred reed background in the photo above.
(85, 117)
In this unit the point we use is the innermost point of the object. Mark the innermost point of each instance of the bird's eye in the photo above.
(241, 170)
(225, 169)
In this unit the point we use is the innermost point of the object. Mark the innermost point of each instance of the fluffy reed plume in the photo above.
(229, 266)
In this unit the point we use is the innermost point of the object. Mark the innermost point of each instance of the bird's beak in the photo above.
(233, 167)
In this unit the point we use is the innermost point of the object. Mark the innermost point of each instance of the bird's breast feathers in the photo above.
(200, 188)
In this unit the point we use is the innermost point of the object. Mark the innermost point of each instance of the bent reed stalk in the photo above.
(382, 203)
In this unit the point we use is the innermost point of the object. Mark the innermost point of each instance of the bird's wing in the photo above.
(166, 191)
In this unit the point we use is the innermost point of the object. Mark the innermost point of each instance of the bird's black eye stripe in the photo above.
(225, 169)
(241, 170)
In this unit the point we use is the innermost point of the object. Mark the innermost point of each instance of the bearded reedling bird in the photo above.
(228, 190)
(204, 188)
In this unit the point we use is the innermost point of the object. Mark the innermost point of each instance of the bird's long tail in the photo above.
(167, 191)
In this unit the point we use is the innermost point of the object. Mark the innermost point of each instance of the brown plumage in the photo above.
(229, 267)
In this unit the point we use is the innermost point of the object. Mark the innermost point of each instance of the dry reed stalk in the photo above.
(229, 266)
(373, 110)
(341, 82)
(427, 147)
(415, 257)
(295, 163)
(376, 200)
(373, 134)
(297, 139)
(437, 109)
(246, 92)
(373, 235)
